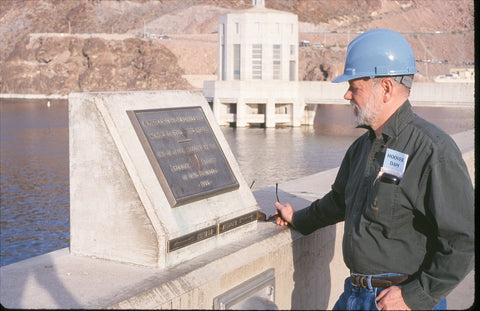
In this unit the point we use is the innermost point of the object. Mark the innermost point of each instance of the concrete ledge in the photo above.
(60, 280)
(309, 270)
(303, 268)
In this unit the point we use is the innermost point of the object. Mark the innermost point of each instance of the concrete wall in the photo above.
(244, 93)
(422, 93)
(303, 93)
(441, 94)
(309, 270)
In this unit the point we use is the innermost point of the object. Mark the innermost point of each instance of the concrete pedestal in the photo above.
(120, 207)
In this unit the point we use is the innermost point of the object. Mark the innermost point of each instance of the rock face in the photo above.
(60, 65)
(74, 61)
(320, 64)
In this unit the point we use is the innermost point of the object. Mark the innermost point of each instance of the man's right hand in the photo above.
(286, 212)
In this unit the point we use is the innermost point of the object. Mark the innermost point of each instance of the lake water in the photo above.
(34, 182)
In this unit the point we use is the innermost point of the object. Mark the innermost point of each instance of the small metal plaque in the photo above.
(236, 222)
(191, 238)
(184, 153)
(209, 232)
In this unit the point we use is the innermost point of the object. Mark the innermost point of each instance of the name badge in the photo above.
(394, 162)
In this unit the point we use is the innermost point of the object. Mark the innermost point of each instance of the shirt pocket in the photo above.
(381, 203)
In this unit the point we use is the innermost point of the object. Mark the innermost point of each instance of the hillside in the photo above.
(91, 56)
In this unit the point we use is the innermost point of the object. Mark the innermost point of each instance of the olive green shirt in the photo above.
(423, 227)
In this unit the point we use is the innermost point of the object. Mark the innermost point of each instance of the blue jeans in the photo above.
(359, 298)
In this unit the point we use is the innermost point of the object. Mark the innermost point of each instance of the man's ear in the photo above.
(387, 87)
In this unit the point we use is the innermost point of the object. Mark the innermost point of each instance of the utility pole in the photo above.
(69, 28)
(425, 60)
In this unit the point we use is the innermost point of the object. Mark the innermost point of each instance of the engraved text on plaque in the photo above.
(184, 153)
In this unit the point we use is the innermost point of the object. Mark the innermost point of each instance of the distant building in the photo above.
(461, 75)
(257, 68)
(258, 44)
(304, 43)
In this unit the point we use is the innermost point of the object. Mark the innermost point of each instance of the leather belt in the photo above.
(382, 282)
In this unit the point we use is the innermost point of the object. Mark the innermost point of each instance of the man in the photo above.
(402, 189)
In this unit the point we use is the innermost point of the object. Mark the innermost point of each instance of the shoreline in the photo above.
(33, 96)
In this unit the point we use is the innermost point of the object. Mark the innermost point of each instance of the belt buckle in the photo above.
(363, 281)
(360, 280)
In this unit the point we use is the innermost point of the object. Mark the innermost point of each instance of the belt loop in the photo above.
(369, 282)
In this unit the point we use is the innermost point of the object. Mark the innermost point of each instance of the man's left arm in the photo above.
(449, 202)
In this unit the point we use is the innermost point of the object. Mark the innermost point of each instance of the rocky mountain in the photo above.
(58, 47)
(62, 65)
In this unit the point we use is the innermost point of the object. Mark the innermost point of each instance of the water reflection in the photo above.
(34, 185)
(277, 155)
(34, 192)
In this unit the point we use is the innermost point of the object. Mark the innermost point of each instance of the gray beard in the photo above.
(367, 115)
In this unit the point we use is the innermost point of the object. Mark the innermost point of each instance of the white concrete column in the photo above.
(270, 119)
(241, 113)
(297, 112)
(217, 111)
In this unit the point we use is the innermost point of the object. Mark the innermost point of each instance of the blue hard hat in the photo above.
(376, 53)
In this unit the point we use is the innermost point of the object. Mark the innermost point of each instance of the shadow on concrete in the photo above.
(39, 277)
(312, 256)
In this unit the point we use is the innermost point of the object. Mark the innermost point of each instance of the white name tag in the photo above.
(394, 162)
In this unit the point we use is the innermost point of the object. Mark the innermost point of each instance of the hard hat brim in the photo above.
(342, 78)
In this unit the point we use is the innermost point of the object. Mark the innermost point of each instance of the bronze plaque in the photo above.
(236, 222)
(191, 238)
(197, 236)
(184, 153)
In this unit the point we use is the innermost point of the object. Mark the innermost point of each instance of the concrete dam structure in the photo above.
(244, 103)
(257, 77)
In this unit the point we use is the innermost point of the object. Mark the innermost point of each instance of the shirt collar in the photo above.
(399, 120)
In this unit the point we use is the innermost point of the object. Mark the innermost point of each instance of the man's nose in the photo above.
(348, 95)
